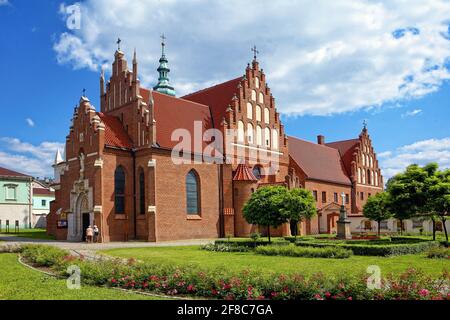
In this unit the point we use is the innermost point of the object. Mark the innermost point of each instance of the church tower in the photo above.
(163, 85)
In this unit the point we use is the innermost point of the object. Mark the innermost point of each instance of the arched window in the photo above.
(371, 161)
(141, 191)
(371, 178)
(240, 133)
(254, 95)
(257, 172)
(267, 137)
(363, 160)
(259, 135)
(369, 181)
(257, 82)
(192, 193)
(275, 139)
(119, 190)
(364, 177)
(266, 115)
(249, 110)
(376, 178)
(258, 113)
(250, 133)
(261, 98)
(359, 175)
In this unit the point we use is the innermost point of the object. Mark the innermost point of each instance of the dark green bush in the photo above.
(294, 251)
(44, 255)
(375, 250)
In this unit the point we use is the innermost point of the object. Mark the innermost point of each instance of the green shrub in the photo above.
(250, 243)
(222, 247)
(439, 253)
(375, 250)
(294, 251)
(44, 255)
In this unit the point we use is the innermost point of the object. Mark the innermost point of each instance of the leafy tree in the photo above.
(377, 208)
(409, 191)
(439, 196)
(299, 205)
(266, 207)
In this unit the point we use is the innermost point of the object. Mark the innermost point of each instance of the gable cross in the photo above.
(255, 52)
(118, 43)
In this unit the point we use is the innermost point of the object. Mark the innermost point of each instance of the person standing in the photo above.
(96, 233)
(89, 234)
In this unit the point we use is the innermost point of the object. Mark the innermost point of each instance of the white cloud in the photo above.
(421, 152)
(411, 113)
(30, 122)
(321, 57)
(4, 3)
(24, 157)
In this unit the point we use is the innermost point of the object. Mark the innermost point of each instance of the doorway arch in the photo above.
(82, 217)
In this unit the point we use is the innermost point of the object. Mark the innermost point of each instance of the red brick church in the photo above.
(124, 169)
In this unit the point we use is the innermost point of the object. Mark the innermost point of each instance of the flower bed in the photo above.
(222, 284)
(294, 251)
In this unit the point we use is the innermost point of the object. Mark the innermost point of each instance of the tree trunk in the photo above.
(445, 230)
(401, 227)
(379, 232)
(268, 233)
(434, 228)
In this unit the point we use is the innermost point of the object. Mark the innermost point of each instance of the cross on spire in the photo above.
(255, 52)
(163, 40)
(118, 43)
(365, 124)
(84, 92)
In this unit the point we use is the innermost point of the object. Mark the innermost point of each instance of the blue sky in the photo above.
(329, 65)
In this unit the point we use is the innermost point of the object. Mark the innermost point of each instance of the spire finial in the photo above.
(364, 124)
(163, 42)
(118, 43)
(255, 52)
(163, 85)
(83, 93)
(134, 56)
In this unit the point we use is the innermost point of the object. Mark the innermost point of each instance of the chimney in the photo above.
(321, 139)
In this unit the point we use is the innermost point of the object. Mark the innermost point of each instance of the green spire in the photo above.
(163, 85)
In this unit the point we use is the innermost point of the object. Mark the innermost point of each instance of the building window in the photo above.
(336, 197)
(347, 199)
(362, 195)
(384, 225)
(250, 132)
(240, 135)
(266, 115)
(371, 161)
(376, 178)
(256, 82)
(369, 177)
(11, 192)
(267, 137)
(258, 113)
(364, 176)
(254, 95)
(257, 172)
(258, 135)
(275, 139)
(324, 197)
(261, 98)
(315, 195)
(142, 192)
(119, 190)
(359, 175)
(363, 160)
(43, 202)
(192, 193)
(249, 110)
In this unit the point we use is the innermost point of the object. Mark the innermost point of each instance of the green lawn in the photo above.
(29, 233)
(240, 261)
(20, 283)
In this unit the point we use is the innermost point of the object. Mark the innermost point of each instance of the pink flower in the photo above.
(349, 298)
(190, 287)
(424, 292)
(318, 297)
(327, 294)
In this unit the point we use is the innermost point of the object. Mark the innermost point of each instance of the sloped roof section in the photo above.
(115, 134)
(319, 162)
(217, 97)
(243, 173)
(43, 192)
(10, 173)
(173, 113)
(346, 148)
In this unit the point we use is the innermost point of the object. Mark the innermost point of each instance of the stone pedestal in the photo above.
(343, 225)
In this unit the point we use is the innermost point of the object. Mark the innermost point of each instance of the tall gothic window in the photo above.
(275, 139)
(254, 95)
(250, 133)
(240, 135)
(249, 110)
(266, 115)
(359, 175)
(369, 181)
(119, 190)
(259, 135)
(376, 178)
(192, 193)
(261, 98)
(267, 137)
(258, 113)
(257, 82)
(142, 192)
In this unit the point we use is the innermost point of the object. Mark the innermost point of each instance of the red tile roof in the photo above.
(173, 113)
(346, 148)
(217, 98)
(43, 192)
(10, 173)
(319, 162)
(243, 173)
(115, 134)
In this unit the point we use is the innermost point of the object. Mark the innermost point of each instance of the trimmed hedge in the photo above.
(224, 248)
(250, 243)
(376, 249)
(294, 251)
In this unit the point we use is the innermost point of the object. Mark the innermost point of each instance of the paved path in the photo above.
(85, 247)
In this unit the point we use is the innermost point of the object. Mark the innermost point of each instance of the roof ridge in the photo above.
(356, 139)
(212, 87)
(313, 143)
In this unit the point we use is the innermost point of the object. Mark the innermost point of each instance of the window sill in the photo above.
(193, 217)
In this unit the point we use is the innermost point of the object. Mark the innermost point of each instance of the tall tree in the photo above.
(299, 205)
(377, 208)
(266, 207)
(439, 196)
